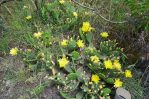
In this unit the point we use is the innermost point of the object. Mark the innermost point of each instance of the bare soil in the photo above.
(13, 88)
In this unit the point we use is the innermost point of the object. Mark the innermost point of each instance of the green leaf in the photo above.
(72, 44)
(70, 7)
(65, 95)
(72, 76)
(124, 57)
(89, 37)
(102, 75)
(105, 91)
(68, 69)
(116, 1)
(75, 55)
(51, 6)
(39, 89)
(55, 15)
(110, 81)
(82, 35)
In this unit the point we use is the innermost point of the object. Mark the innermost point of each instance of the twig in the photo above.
(33, 2)
(8, 10)
(83, 5)
(96, 11)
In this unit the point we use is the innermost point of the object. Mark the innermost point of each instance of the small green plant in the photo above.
(64, 16)
(80, 68)
(94, 72)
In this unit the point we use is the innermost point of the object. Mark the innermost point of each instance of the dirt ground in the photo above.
(13, 86)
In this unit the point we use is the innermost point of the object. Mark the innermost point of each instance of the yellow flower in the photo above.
(28, 17)
(14, 51)
(64, 43)
(86, 27)
(80, 43)
(108, 64)
(117, 65)
(95, 78)
(118, 83)
(128, 74)
(94, 59)
(61, 1)
(75, 14)
(37, 35)
(63, 62)
(104, 34)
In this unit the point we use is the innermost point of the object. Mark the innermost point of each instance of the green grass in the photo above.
(135, 88)
(15, 27)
